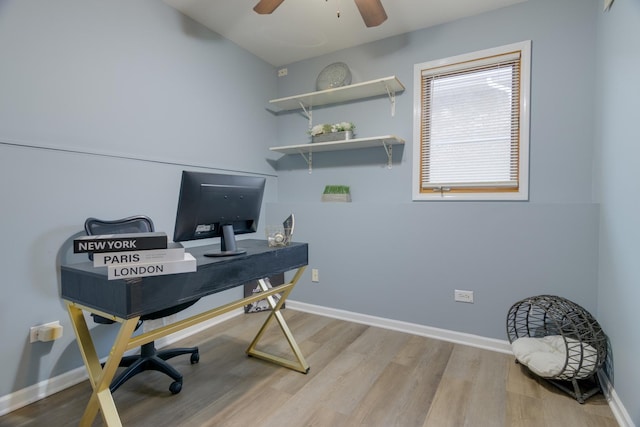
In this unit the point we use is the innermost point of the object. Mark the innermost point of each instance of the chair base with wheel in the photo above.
(152, 359)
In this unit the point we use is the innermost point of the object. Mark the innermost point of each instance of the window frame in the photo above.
(464, 62)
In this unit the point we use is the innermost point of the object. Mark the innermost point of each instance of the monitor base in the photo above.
(238, 251)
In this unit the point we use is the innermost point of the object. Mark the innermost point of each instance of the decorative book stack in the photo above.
(136, 254)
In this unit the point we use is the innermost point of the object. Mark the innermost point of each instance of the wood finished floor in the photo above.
(360, 376)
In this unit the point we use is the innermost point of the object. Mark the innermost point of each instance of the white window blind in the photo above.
(470, 125)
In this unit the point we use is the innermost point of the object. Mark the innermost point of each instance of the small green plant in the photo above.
(329, 128)
(336, 189)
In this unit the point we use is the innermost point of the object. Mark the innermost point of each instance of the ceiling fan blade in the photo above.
(267, 6)
(372, 12)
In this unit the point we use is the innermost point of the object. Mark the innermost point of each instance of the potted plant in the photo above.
(336, 193)
(332, 132)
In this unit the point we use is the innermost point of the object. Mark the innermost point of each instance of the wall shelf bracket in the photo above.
(392, 99)
(308, 114)
(308, 159)
(388, 148)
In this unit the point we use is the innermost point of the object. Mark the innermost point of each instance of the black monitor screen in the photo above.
(218, 205)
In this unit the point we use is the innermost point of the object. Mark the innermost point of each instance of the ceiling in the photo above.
(301, 29)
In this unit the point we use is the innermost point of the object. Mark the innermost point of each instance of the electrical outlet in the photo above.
(315, 275)
(463, 296)
(46, 332)
(282, 72)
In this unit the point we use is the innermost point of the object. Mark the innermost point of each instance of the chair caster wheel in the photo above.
(195, 357)
(175, 387)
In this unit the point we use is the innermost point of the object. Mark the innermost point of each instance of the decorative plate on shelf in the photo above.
(333, 75)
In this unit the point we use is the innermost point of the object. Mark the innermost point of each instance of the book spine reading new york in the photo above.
(142, 269)
(120, 242)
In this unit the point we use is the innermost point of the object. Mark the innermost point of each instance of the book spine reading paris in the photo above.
(136, 254)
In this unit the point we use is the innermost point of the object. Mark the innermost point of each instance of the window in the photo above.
(471, 127)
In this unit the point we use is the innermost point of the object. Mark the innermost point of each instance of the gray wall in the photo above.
(102, 105)
(618, 177)
(385, 255)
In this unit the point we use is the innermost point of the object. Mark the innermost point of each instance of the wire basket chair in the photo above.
(574, 330)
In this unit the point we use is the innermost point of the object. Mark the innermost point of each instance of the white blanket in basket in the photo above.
(546, 356)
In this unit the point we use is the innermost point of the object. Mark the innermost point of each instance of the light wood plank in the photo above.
(524, 411)
(487, 405)
(450, 404)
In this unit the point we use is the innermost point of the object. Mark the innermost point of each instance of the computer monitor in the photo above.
(218, 205)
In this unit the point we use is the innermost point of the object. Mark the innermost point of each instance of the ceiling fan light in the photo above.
(372, 12)
(265, 7)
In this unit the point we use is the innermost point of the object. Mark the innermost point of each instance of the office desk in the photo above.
(85, 288)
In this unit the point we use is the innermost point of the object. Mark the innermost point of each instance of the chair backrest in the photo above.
(132, 224)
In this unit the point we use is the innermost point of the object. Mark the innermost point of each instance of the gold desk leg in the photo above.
(301, 364)
(99, 377)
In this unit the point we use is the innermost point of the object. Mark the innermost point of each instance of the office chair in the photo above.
(149, 358)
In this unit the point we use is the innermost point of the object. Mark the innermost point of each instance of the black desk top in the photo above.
(88, 285)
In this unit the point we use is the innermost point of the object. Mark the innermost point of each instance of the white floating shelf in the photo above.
(307, 150)
(384, 86)
(349, 144)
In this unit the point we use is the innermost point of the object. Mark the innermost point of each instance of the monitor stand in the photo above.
(227, 244)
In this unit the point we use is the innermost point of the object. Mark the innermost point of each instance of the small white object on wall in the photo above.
(607, 4)
(48, 332)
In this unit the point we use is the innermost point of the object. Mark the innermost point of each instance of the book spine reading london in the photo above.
(174, 252)
(142, 269)
(120, 242)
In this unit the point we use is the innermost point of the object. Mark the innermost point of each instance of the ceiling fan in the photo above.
(372, 11)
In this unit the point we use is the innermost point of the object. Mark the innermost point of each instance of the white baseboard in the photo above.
(619, 411)
(501, 346)
(25, 396)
